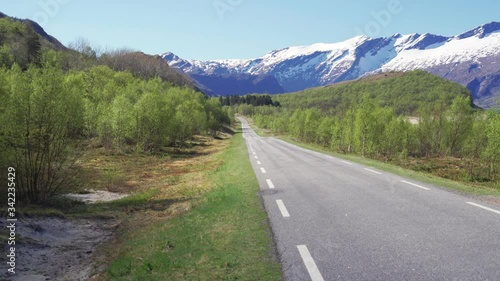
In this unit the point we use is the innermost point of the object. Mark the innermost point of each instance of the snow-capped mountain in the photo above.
(471, 58)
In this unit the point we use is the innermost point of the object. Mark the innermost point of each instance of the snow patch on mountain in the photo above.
(455, 50)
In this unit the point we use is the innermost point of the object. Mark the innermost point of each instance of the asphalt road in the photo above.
(335, 220)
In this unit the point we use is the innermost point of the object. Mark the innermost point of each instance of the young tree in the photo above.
(492, 151)
(152, 121)
(363, 126)
(38, 119)
(475, 145)
(460, 124)
(122, 120)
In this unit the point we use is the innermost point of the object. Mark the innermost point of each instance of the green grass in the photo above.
(420, 176)
(224, 237)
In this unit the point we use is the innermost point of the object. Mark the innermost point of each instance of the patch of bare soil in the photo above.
(96, 196)
(57, 248)
(493, 200)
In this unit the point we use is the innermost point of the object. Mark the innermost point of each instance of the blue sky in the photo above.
(224, 29)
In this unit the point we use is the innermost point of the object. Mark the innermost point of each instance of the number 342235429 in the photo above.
(11, 189)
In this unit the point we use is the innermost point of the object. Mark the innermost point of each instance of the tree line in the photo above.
(369, 129)
(254, 100)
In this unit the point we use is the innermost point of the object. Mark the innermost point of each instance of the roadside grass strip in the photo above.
(225, 236)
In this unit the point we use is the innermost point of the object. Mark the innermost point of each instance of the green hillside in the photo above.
(25, 43)
(404, 92)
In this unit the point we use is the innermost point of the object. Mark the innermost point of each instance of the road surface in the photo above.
(336, 220)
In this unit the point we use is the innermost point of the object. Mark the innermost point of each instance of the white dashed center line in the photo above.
(259, 163)
(419, 186)
(283, 210)
(256, 157)
(263, 170)
(484, 208)
(310, 264)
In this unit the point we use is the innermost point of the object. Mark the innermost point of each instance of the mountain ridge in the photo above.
(299, 67)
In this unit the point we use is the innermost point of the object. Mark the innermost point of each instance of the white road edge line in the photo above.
(270, 184)
(419, 186)
(263, 170)
(348, 163)
(309, 263)
(483, 207)
(283, 210)
(373, 171)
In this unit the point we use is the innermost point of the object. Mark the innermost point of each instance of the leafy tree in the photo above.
(311, 123)
(190, 118)
(6, 56)
(152, 121)
(475, 144)
(492, 151)
(122, 120)
(216, 116)
(364, 126)
(38, 119)
(324, 131)
(460, 124)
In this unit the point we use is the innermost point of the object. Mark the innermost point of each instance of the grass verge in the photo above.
(224, 236)
(392, 168)
(388, 167)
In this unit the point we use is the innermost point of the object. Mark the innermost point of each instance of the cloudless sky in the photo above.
(225, 29)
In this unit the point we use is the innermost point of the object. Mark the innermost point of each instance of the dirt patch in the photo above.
(58, 248)
(96, 196)
(493, 200)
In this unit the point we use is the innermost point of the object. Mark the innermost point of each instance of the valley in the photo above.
(367, 159)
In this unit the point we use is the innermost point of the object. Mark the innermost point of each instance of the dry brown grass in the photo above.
(178, 172)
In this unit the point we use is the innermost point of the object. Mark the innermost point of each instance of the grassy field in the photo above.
(199, 219)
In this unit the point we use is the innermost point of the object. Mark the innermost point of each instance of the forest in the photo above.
(55, 102)
(413, 119)
(255, 100)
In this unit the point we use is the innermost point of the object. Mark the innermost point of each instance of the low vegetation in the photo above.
(194, 217)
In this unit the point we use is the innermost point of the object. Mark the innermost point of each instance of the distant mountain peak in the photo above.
(481, 31)
(169, 56)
